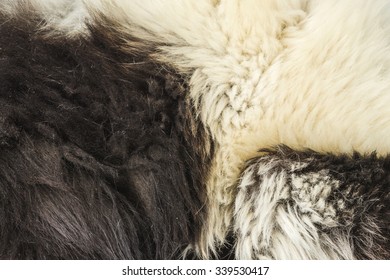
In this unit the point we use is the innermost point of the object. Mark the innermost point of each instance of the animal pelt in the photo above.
(307, 74)
(127, 125)
(101, 154)
(305, 205)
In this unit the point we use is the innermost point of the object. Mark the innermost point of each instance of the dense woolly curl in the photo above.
(203, 129)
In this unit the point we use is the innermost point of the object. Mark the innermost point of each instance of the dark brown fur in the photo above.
(101, 156)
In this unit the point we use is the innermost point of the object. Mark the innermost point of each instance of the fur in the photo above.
(65, 18)
(237, 76)
(304, 73)
(101, 154)
(304, 205)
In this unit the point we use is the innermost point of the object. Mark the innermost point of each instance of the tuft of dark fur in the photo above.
(361, 196)
(101, 156)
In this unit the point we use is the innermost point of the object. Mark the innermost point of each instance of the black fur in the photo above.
(101, 156)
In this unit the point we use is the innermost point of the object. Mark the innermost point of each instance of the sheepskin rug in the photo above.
(207, 129)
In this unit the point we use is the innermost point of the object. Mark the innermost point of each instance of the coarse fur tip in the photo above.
(306, 205)
(101, 154)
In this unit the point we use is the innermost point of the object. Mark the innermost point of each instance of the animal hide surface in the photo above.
(143, 129)
(101, 153)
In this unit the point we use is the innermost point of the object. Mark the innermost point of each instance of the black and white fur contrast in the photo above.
(101, 156)
(147, 129)
(304, 205)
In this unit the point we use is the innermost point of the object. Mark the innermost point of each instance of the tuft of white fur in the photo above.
(279, 215)
(64, 17)
(304, 73)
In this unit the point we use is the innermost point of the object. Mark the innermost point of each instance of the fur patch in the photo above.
(304, 205)
(305, 74)
(101, 154)
(146, 112)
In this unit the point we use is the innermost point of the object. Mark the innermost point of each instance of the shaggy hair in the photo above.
(127, 125)
(306, 74)
(101, 155)
(304, 205)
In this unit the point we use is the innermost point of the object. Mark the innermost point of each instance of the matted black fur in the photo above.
(101, 156)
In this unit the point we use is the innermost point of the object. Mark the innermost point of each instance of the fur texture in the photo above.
(64, 18)
(101, 156)
(306, 205)
(152, 108)
(308, 74)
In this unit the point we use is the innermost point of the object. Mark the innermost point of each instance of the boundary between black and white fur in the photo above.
(161, 107)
